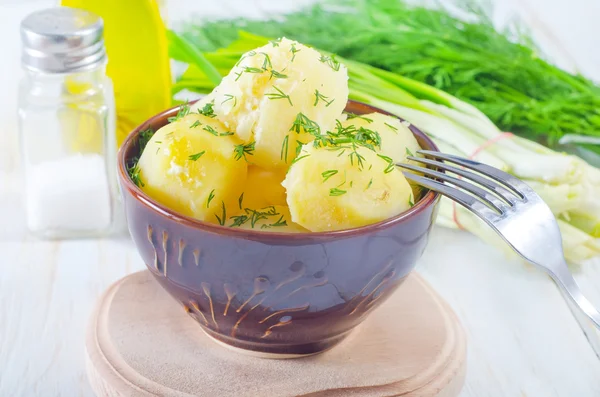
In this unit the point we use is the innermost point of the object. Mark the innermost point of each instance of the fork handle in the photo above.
(566, 281)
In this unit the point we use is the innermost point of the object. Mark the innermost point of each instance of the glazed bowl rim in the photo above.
(430, 199)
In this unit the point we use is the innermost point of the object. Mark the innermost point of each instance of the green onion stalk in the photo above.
(569, 185)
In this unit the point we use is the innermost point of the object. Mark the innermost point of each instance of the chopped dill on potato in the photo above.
(242, 150)
(183, 111)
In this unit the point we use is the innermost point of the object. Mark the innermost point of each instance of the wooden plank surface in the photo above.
(523, 340)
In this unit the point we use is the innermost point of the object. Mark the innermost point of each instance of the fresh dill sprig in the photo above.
(242, 150)
(293, 50)
(336, 192)
(249, 69)
(246, 55)
(276, 74)
(408, 152)
(331, 62)
(238, 220)
(211, 130)
(228, 133)
(341, 131)
(229, 98)
(391, 127)
(208, 110)
(370, 183)
(278, 223)
(276, 42)
(368, 138)
(183, 111)
(279, 95)
(298, 147)
(410, 201)
(267, 61)
(355, 156)
(346, 138)
(302, 122)
(195, 124)
(322, 97)
(358, 116)
(256, 215)
(194, 157)
(133, 168)
(390, 167)
(328, 174)
(253, 216)
(143, 139)
(211, 196)
(134, 174)
(223, 217)
(299, 158)
(284, 148)
(241, 200)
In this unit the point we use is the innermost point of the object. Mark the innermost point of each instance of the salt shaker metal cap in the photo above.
(62, 40)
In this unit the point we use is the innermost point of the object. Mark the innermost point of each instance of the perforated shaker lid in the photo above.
(62, 40)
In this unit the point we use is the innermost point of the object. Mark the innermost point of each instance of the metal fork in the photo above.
(508, 206)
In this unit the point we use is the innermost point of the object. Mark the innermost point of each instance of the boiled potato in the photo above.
(190, 166)
(397, 141)
(278, 92)
(263, 188)
(329, 189)
(275, 218)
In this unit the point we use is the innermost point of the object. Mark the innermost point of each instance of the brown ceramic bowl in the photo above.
(278, 293)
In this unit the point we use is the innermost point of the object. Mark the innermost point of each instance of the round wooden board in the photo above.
(140, 342)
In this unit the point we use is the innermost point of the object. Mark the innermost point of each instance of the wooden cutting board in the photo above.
(140, 342)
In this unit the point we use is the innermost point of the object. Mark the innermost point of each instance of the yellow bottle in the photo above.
(138, 59)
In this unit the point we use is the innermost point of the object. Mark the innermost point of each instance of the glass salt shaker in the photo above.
(67, 126)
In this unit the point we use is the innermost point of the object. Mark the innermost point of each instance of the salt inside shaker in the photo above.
(67, 125)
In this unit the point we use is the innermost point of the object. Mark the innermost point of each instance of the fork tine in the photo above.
(464, 199)
(508, 180)
(480, 193)
(494, 186)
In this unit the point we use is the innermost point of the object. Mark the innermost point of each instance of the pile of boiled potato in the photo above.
(270, 149)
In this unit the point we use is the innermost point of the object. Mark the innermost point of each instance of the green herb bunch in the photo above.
(501, 73)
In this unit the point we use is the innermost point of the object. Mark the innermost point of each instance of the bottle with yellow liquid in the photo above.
(67, 124)
(138, 57)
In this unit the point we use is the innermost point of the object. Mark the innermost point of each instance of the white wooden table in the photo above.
(523, 340)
